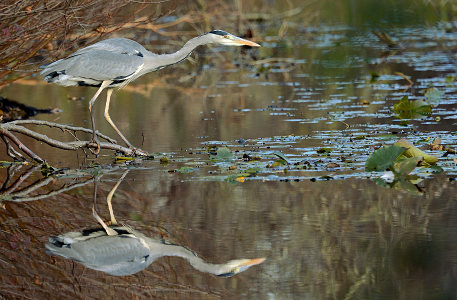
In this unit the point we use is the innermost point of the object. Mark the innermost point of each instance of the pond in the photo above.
(257, 153)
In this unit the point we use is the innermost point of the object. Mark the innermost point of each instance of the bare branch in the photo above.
(7, 129)
(20, 145)
(10, 151)
(63, 127)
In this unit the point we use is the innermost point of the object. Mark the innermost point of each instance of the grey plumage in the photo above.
(95, 251)
(113, 59)
(122, 250)
(115, 62)
(129, 252)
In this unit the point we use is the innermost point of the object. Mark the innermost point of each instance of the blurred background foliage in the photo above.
(35, 32)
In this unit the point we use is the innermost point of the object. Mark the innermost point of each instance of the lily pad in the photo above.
(433, 96)
(223, 154)
(324, 150)
(406, 109)
(186, 170)
(383, 158)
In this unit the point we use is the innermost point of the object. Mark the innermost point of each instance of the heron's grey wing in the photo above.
(116, 45)
(93, 67)
(115, 255)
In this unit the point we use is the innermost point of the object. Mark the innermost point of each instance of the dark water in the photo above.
(326, 229)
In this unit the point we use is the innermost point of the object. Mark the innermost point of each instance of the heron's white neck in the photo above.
(196, 262)
(155, 62)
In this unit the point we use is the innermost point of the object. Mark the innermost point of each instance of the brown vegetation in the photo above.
(31, 30)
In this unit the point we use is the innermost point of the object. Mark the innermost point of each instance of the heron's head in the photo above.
(236, 266)
(225, 38)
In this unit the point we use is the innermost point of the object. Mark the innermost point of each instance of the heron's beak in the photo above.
(253, 262)
(242, 42)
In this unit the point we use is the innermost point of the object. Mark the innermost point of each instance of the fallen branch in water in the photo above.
(12, 141)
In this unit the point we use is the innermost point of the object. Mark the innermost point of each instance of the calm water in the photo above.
(326, 229)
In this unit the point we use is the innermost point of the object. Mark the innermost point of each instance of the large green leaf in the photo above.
(383, 158)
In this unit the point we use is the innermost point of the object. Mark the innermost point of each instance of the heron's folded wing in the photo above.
(97, 65)
(115, 255)
(115, 45)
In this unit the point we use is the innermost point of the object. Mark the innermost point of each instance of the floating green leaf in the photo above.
(406, 109)
(185, 170)
(433, 96)
(374, 76)
(450, 79)
(436, 169)
(383, 158)
(406, 166)
(324, 150)
(223, 154)
(281, 156)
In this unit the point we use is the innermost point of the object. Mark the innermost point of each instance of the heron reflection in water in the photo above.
(116, 62)
(121, 250)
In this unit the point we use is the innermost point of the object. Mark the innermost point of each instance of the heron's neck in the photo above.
(180, 55)
(195, 261)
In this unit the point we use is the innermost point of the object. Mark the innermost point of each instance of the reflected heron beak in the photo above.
(251, 262)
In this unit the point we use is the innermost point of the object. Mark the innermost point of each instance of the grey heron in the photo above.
(116, 62)
(122, 250)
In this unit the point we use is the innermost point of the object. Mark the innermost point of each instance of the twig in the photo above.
(10, 151)
(20, 145)
(16, 197)
(19, 181)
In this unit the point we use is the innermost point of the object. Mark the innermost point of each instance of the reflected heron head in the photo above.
(236, 266)
(224, 38)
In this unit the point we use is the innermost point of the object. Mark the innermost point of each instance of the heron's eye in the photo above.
(228, 37)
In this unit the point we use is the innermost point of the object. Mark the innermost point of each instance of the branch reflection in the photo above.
(17, 186)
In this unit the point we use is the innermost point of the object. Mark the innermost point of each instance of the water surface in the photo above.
(326, 228)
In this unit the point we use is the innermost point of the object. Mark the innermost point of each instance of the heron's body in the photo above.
(121, 250)
(94, 249)
(115, 62)
(129, 251)
(119, 60)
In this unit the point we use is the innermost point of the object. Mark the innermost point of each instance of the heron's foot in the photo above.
(97, 143)
(111, 223)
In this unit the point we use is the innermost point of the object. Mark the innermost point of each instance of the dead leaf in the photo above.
(413, 151)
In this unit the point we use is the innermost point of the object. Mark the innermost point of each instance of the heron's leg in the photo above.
(110, 196)
(91, 104)
(108, 118)
(109, 231)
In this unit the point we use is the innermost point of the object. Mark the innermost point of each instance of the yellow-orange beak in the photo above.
(255, 261)
(243, 42)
